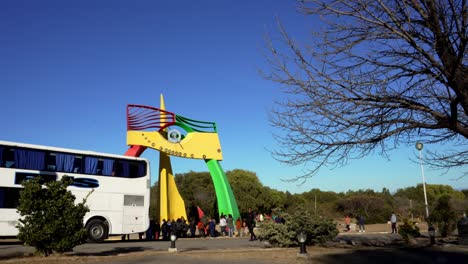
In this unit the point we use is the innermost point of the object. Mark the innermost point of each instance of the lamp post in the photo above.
(419, 147)
(173, 246)
(302, 238)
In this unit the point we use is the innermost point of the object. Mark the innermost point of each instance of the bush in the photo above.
(278, 235)
(443, 216)
(318, 230)
(50, 221)
(408, 229)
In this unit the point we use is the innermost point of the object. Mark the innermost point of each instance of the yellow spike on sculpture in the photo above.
(172, 205)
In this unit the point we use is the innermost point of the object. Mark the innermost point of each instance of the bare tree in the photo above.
(378, 74)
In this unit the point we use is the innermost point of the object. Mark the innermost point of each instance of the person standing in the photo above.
(393, 221)
(250, 221)
(201, 229)
(230, 225)
(192, 226)
(222, 224)
(212, 227)
(347, 221)
(157, 230)
(165, 230)
(361, 223)
(239, 227)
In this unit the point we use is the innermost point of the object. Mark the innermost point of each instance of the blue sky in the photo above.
(69, 68)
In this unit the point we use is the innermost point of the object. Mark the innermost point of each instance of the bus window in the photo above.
(51, 162)
(24, 176)
(29, 159)
(9, 197)
(107, 167)
(9, 158)
(137, 169)
(91, 165)
(78, 164)
(1, 156)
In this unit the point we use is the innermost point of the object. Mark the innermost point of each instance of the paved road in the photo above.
(236, 251)
(12, 248)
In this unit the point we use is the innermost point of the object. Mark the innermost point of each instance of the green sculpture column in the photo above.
(226, 201)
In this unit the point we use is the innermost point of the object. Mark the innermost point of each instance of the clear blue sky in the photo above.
(69, 68)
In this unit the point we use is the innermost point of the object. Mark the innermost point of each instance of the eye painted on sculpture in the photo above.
(175, 134)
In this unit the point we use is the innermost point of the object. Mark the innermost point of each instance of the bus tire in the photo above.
(97, 230)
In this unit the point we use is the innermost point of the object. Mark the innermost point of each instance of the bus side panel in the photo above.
(8, 221)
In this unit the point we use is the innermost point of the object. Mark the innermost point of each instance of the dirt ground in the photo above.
(377, 228)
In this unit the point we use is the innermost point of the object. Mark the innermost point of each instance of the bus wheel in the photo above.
(97, 230)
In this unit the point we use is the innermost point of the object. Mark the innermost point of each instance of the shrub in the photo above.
(50, 221)
(318, 230)
(443, 216)
(408, 229)
(278, 235)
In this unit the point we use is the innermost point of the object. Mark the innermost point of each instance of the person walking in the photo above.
(393, 221)
(250, 221)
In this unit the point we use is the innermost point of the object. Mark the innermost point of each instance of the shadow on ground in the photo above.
(113, 252)
(392, 256)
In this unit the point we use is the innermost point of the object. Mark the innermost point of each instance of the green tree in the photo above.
(443, 216)
(197, 187)
(415, 196)
(321, 203)
(247, 189)
(374, 75)
(50, 220)
(373, 207)
(154, 202)
(271, 199)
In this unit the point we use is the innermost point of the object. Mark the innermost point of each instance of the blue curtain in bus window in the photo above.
(108, 165)
(1, 156)
(91, 165)
(64, 162)
(29, 159)
(125, 169)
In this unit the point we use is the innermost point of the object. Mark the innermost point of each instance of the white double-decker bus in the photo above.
(118, 205)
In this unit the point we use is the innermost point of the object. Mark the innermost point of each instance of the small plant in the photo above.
(50, 220)
(408, 230)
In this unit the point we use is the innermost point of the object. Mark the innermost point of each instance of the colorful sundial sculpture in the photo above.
(175, 135)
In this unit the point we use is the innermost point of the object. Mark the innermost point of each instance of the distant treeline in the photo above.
(376, 207)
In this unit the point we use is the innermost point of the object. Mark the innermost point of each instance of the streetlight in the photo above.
(419, 147)
(173, 247)
(302, 237)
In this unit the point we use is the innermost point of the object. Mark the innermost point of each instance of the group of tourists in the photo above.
(360, 220)
(206, 226)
